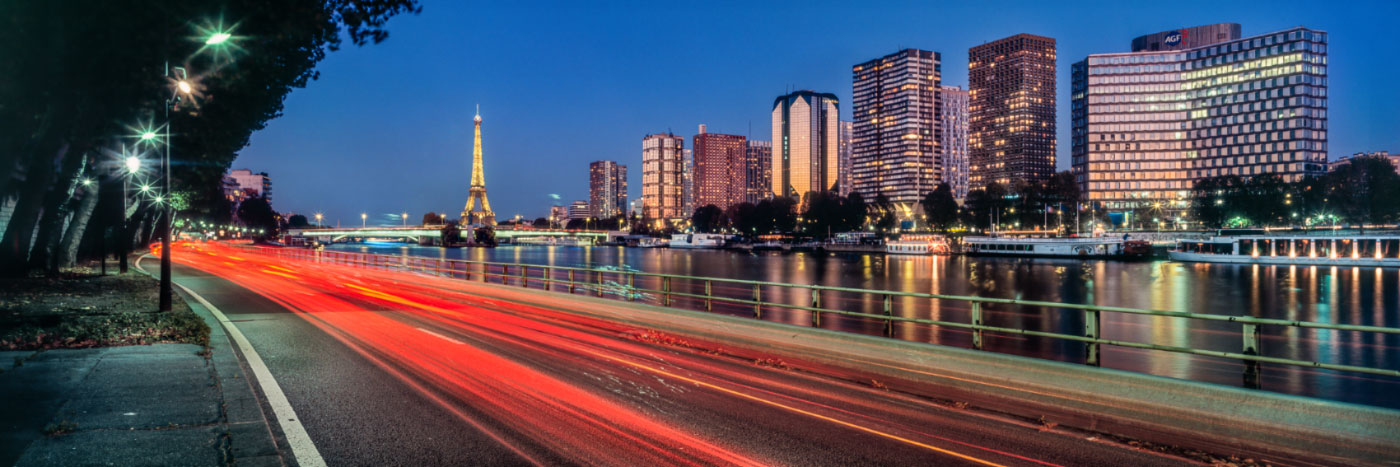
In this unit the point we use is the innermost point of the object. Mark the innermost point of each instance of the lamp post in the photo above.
(405, 219)
(133, 165)
(363, 217)
(318, 220)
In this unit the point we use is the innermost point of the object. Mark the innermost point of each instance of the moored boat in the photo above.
(1303, 250)
(917, 245)
(1091, 247)
(698, 240)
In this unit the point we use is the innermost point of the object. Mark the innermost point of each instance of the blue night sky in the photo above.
(387, 128)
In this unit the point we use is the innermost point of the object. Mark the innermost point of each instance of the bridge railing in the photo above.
(810, 304)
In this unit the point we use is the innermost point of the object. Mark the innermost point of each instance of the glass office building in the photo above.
(1196, 103)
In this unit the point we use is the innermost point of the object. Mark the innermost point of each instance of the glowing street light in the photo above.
(318, 219)
(217, 38)
(405, 219)
(148, 135)
(145, 188)
(363, 217)
(133, 164)
(183, 86)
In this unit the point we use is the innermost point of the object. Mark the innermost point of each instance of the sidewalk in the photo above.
(164, 404)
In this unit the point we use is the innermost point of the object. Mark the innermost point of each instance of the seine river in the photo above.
(1368, 296)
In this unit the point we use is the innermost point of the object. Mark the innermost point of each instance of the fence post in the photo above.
(977, 323)
(1251, 347)
(1091, 330)
(889, 315)
(666, 291)
(600, 283)
(757, 301)
(816, 303)
(707, 295)
(631, 286)
(548, 271)
(524, 276)
(571, 281)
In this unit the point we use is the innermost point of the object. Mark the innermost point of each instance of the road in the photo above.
(394, 368)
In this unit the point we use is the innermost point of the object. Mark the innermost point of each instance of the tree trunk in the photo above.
(57, 206)
(68, 249)
(19, 234)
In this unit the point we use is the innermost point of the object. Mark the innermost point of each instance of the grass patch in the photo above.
(80, 309)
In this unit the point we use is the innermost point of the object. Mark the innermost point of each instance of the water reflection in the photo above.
(1369, 296)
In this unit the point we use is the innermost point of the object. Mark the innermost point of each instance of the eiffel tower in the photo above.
(477, 191)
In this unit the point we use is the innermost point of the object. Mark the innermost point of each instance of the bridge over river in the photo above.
(431, 234)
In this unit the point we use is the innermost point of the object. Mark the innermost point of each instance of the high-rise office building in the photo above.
(758, 167)
(1011, 105)
(607, 189)
(580, 210)
(806, 126)
(687, 183)
(954, 141)
(1195, 103)
(843, 157)
(663, 166)
(895, 148)
(720, 173)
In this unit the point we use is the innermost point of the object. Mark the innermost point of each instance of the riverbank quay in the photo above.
(1236, 423)
(93, 375)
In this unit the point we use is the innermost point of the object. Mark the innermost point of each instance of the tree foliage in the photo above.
(256, 213)
(707, 219)
(1364, 191)
(941, 208)
(81, 76)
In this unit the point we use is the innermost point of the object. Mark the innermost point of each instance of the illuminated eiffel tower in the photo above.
(477, 191)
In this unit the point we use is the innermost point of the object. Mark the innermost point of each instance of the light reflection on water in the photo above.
(1369, 296)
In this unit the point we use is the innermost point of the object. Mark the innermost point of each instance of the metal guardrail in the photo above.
(624, 284)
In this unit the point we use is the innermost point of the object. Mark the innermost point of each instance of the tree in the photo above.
(1365, 190)
(298, 221)
(743, 218)
(80, 81)
(450, 233)
(707, 218)
(856, 212)
(576, 224)
(884, 214)
(541, 223)
(485, 236)
(432, 218)
(256, 213)
(941, 208)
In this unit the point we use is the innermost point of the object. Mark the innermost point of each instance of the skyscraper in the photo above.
(758, 167)
(607, 189)
(954, 101)
(1195, 103)
(843, 156)
(687, 183)
(894, 148)
(720, 173)
(1011, 104)
(663, 165)
(806, 126)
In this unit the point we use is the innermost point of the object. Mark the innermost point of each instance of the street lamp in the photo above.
(363, 216)
(405, 219)
(318, 220)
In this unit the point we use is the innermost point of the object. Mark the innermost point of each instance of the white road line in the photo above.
(449, 339)
(302, 448)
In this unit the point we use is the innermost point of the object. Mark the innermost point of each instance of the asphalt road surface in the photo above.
(395, 368)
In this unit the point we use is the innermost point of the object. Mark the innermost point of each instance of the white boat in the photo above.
(1092, 247)
(698, 240)
(1302, 250)
(651, 242)
(917, 245)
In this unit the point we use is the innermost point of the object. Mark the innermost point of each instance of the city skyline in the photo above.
(604, 122)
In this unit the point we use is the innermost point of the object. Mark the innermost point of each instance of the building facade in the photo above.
(758, 167)
(720, 175)
(251, 184)
(895, 148)
(558, 215)
(954, 141)
(1196, 103)
(580, 210)
(607, 189)
(663, 179)
(1011, 111)
(843, 157)
(806, 129)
